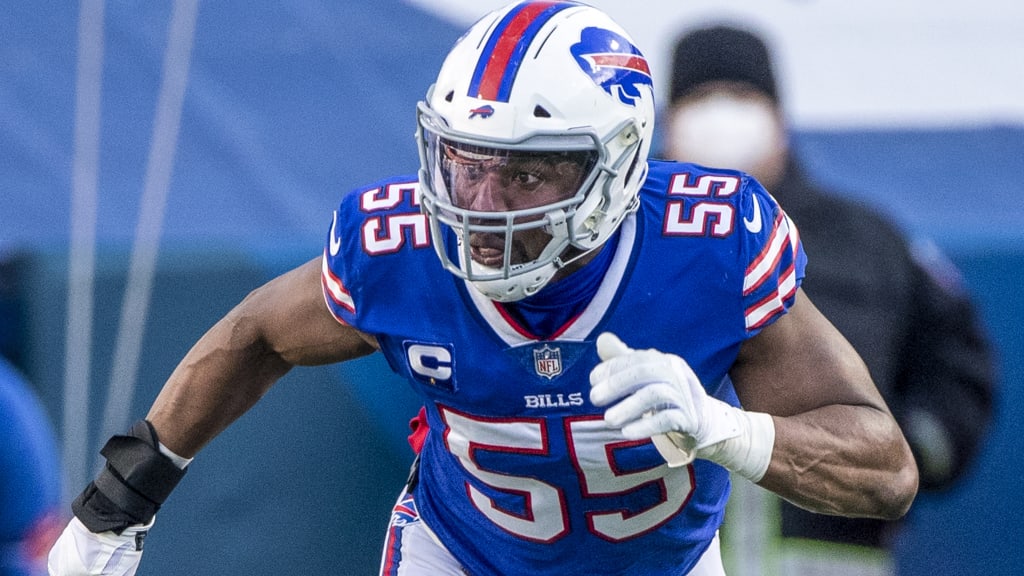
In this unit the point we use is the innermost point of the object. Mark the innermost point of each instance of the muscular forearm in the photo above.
(844, 460)
(283, 323)
(223, 375)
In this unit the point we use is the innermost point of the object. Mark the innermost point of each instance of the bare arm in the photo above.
(838, 449)
(282, 324)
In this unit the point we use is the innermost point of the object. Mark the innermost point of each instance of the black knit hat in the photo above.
(721, 53)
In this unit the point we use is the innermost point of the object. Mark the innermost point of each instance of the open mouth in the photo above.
(488, 256)
(487, 250)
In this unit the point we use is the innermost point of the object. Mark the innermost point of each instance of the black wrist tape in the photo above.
(133, 485)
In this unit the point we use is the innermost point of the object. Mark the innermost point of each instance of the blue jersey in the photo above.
(518, 473)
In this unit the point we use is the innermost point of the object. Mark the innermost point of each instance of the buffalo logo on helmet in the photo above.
(485, 111)
(613, 63)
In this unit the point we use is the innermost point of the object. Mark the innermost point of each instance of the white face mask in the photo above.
(725, 131)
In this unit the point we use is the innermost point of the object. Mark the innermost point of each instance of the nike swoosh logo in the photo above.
(754, 226)
(335, 241)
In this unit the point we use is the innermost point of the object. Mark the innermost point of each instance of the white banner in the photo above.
(918, 63)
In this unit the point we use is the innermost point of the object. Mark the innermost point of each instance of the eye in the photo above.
(527, 179)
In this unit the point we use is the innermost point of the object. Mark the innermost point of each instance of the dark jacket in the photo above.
(913, 324)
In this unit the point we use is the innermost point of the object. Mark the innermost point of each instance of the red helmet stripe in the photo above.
(499, 62)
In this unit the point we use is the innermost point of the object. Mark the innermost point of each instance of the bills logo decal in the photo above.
(613, 63)
(485, 111)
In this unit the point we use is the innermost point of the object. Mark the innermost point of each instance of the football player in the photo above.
(579, 325)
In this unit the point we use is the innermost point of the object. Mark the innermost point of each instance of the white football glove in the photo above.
(657, 395)
(79, 552)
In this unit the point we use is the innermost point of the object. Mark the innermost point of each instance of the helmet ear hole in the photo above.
(449, 96)
(632, 165)
(541, 112)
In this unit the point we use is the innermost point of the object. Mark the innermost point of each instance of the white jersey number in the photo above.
(388, 234)
(591, 446)
(706, 216)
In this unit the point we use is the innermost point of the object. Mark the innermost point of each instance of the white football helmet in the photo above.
(535, 80)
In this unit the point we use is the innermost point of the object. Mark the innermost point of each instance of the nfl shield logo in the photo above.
(547, 361)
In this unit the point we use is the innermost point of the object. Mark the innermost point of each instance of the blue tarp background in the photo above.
(289, 105)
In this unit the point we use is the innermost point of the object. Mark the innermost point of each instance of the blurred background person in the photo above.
(30, 520)
(899, 302)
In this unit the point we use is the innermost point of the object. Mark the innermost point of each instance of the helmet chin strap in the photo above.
(559, 263)
(518, 287)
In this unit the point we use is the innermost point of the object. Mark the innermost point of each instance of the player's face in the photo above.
(500, 181)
